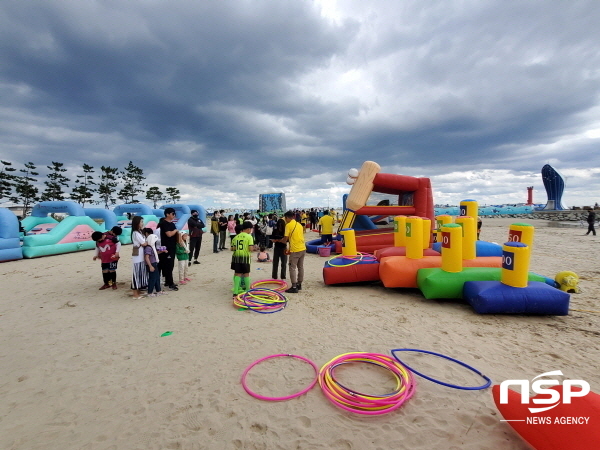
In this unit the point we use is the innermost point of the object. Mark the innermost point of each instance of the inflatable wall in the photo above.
(10, 242)
(50, 237)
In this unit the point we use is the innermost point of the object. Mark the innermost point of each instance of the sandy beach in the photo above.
(88, 370)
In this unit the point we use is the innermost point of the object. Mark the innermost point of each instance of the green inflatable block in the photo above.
(436, 283)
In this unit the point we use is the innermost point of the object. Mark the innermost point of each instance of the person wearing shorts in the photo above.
(242, 247)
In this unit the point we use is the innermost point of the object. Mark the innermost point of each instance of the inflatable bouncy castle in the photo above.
(10, 242)
(47, 236)
(406, 196)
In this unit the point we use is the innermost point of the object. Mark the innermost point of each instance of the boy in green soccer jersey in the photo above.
(242, 245)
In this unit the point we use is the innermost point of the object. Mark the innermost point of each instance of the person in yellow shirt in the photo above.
(295, 236)
(303, 220)
(326, 228)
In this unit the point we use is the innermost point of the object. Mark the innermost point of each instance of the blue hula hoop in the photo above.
(454, 386)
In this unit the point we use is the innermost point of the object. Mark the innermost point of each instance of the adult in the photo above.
(326, 228)
(222, 230)
(272, 222)
(195, 227)
(312, 217)
(168, 239)
(139, 276)
(591, 218)
(294, 235)
(279, 255)
(214, 230)
(265, 231)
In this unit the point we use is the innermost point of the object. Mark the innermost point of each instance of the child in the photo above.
(263, 256)
(182, 252)
(231, 224)
(107, 249)
(241, 246)
(151, 259)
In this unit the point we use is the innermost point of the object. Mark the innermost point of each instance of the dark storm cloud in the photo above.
(200, 92)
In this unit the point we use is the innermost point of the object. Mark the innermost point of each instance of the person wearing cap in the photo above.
(168, 239)
(195, 227)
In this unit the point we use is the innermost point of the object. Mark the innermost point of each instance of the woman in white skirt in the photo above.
(139, 279)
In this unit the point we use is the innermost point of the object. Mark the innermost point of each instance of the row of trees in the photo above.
(105, 187)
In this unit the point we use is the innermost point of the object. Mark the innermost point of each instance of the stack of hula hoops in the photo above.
(360, 402)
(262, 300)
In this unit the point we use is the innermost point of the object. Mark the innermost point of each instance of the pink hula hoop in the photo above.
(279, 399)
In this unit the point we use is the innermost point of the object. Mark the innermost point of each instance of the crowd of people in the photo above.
(155, 252)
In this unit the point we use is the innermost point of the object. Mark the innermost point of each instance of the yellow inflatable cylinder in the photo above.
(515, 264)
(348, 242)
(414, 237)
(521, 232)
(426, 231)
(451, 239)
(469, 208)
(469, 237)
(399, 231)
(442, 220)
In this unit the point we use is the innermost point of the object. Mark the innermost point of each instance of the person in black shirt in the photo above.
(222, 230)
(195, 226)
(591, 218)
(168, 239)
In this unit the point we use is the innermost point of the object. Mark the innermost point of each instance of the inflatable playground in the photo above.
(439, 256)
(58, 227)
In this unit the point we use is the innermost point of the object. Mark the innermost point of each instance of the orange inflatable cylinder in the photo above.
(414, 237)
(399, 231)
(521, 232)
(469, 236)
(451, 238)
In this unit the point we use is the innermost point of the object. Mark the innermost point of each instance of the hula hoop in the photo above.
(360, 403)
(360, 256)
(261, 300)
(443, 383)
(287, 397)
(282, 284)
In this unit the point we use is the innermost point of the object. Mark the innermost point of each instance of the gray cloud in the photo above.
(232, 97)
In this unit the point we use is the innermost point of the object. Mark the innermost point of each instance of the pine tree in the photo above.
(133, 185)
(108, 185)
(55, 183)
(25, 191)
(155, 195)
(7, 180)
(172, 195)
(84, 191)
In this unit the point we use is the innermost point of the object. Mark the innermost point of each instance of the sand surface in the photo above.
(87, 369)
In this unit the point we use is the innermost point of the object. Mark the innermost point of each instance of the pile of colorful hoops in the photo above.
(360, 257)
(362, 403)
(281, 284)
(366, 403)
(261, 300)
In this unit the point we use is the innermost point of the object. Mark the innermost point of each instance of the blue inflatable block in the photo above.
(482, 248)
(494, 297)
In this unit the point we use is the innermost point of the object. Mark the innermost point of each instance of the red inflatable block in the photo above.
(351, 274)
(559, 428)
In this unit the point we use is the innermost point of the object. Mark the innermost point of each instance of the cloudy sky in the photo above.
(232, 98)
